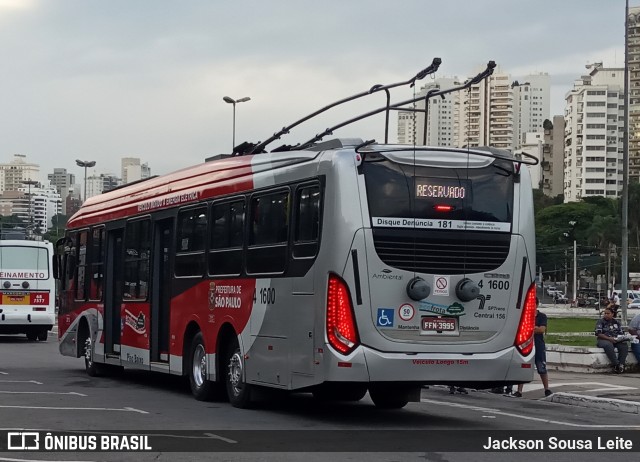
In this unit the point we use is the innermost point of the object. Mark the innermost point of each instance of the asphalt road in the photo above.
(44, 391)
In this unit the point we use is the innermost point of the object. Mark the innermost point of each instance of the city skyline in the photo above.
(90, 82)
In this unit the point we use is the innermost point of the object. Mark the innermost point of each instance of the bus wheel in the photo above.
(201, 388)
(32, 335)
(93, 369)
(388, 397)
(238, 391)
(43, 335)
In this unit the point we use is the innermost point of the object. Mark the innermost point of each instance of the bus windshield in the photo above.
(24, 258)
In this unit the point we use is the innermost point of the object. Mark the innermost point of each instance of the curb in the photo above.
(593, 402)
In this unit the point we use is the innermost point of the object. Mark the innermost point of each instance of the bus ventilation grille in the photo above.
(436, 252)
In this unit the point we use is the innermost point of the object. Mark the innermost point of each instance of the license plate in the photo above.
(433, 325)
(14, 299)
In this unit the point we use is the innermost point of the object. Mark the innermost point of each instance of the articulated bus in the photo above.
(338, 268)
(27, 288)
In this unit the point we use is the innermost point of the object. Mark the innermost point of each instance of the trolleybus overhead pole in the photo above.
(431, 69)
(398, 106)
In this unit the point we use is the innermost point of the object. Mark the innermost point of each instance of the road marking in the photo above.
(603, 386)
(39, 460)
(518, 416)
(221, 438)
(44, 393)
(125, 409)
(21, 381)
(4, 373)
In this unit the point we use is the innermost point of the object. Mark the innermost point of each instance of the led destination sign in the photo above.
(440, 191)
(441, 188)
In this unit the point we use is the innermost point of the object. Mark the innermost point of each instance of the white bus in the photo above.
(27, 288)
(336, 268)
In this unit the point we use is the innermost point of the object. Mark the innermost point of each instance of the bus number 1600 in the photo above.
(267, 296)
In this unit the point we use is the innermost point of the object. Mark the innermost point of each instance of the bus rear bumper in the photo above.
(430, 368)
(478, 370)
(16, 323)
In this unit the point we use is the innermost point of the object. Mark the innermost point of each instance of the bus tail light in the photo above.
(524, 337)
(341, 324)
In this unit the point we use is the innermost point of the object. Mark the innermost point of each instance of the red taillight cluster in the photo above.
(524, 337)
(341, 324)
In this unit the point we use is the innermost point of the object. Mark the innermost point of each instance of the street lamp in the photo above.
(226, 99)
(85, 164)
(30, 183)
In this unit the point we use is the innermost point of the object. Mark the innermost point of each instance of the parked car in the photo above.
(559, 297)
(634, 305)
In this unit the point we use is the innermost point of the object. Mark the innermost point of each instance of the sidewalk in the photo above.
(614, 392)
(581, 376)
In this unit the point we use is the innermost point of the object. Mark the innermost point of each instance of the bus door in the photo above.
(160, 290)
(113, 292)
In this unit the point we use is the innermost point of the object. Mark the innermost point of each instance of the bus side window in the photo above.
(96, 264)
(137, 244)
(81, 266)
(307, 225)
(268, 242)
(192, 229)
(227, 237)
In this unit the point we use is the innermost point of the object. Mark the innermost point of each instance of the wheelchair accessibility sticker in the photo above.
(385, 317)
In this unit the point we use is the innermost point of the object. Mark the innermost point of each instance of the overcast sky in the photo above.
(105, 79)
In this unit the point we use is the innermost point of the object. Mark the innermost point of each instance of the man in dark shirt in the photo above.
(608, 333)
(541, 353)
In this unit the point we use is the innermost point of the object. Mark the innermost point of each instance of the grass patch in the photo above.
(574, 340)
(555, 325)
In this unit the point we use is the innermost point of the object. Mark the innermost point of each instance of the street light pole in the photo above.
(229, 100)
(85, 164)
(30, 183)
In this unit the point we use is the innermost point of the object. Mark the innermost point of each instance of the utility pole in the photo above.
(575, 271)
(624, 277)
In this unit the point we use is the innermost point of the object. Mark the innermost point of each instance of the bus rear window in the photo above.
(404, 196)
(24, 258)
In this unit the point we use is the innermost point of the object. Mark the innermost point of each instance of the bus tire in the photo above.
(43, 334)
(238, 391)
(32, 335)
(93, 369)
(389, 396)
(201, 388)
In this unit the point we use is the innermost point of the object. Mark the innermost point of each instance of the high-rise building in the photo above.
(64, 182)
(439, 117)
(594, 125)
(531, 105)
(495, 112)
(553, 157)
(132, 170)
(484, 114)
(38, 206)
(15, 172)
(634, 93)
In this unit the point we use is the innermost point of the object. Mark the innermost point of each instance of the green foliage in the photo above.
(559, 325)
(596, 225)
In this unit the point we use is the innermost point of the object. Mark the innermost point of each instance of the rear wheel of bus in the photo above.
(238, 391)
(389, 396)
(201, 388)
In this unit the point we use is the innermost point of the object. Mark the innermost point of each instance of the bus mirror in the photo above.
(70, 265)
(56, 266)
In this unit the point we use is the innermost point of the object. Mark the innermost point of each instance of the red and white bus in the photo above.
(338, 268)
(27, 288)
